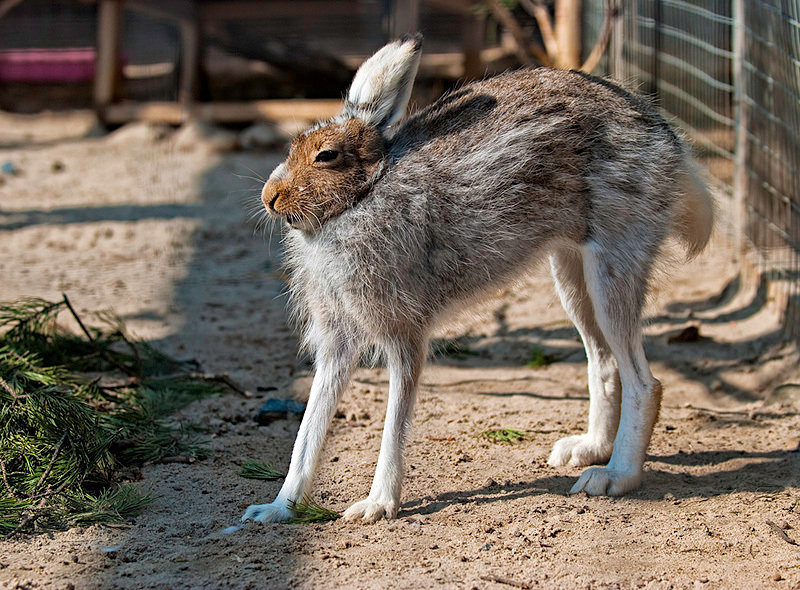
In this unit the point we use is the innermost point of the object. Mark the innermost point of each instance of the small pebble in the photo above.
(777, 577)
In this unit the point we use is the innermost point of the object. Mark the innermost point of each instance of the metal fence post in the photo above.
(740, 182)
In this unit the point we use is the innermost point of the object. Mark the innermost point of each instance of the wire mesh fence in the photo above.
(728, 74)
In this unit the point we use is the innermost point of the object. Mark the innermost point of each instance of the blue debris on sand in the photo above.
(278, 409)
(8, 167)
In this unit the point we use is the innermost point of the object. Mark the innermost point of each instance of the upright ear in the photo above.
(382, 85)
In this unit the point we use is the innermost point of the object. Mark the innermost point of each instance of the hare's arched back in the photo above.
(394, 225)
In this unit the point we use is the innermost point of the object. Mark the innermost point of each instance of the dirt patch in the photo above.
(162, 235)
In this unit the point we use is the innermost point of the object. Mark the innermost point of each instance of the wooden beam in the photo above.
(109, 36)
(464, 7)
(176, 10)
(249, 9)
(174, 113)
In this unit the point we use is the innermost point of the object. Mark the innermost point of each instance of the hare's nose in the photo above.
(268, 196)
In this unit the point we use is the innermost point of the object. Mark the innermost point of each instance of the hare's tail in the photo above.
(694, 217)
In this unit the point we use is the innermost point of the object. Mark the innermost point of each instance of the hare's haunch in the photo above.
(397, 224)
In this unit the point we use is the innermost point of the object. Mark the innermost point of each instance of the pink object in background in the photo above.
(48, 65)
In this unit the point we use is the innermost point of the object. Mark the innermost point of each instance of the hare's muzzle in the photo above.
(269, 196)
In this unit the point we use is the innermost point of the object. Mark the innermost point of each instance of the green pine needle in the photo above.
(112, 505)
(308, 511)
(506, 435)
(540, 358)
(64, 437)
(255, 470)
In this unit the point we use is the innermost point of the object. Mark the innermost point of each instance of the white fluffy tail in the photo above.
(694, 218)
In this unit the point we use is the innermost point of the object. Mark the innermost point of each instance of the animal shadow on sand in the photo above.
(762, 472)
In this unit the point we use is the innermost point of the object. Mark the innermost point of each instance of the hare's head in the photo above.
(333, 165)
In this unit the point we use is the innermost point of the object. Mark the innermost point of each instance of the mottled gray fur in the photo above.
(471, 192)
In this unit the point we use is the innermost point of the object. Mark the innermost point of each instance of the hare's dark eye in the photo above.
(327, 156)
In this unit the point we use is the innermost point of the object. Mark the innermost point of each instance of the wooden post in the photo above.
(568, 33)
(109, 37)
(405, 18)
(191, 55)
(7, 5)
(472, 42)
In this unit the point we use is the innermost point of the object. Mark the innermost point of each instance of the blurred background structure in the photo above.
(726, 72)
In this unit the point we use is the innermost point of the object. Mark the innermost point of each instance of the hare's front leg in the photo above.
(405, 364)
(604, 386)
(334, 362)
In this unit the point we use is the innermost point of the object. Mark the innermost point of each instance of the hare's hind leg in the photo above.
(604, 386)
(334, 360)
(617, 283)
(405, 360)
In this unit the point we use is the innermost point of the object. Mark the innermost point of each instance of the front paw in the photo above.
(369, 511)
(274, 512)
(602, 481)
(578, 451)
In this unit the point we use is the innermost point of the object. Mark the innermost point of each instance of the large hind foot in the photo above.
(602, 481)
(580, 450)
(369, 511)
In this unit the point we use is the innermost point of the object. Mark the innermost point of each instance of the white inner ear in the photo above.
(382, 85)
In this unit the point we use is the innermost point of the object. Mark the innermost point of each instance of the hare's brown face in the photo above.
(327, 170)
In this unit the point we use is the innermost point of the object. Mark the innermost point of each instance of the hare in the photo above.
(396, 225)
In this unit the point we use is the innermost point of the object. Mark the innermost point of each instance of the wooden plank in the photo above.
(109, 35)
(252, 9)
(435, 65)
(176, 10)
(174, 113)
(465, 7)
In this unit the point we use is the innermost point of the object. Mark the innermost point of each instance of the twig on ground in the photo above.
(781, 533)
(37, 511)
(178, 459)
(506, 581)
(53, 458)
(10, 390)
(223, 378)
(5, 479)
(104, 353)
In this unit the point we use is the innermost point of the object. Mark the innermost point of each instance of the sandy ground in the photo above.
(161, 234)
